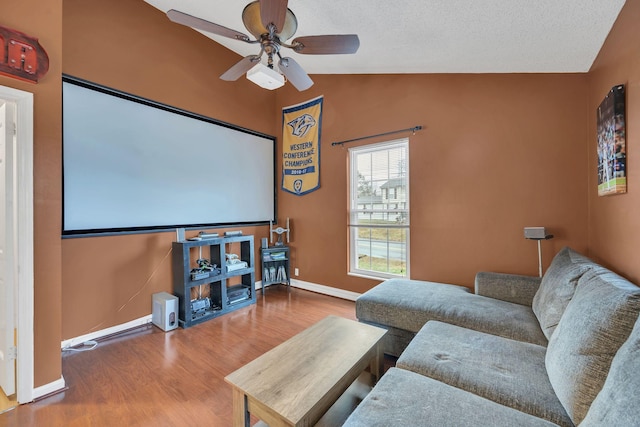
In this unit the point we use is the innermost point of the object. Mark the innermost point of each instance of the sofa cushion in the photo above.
(597, 321)
(507, 287)
(617, 402)
(402, 398)
(557, 288)
(409, 304)
(505, 371)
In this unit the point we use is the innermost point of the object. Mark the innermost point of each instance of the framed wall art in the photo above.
(612, 150)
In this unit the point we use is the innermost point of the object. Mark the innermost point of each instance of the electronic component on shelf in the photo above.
(237, 266)
(234, 262)
(238, 294)
(204, 269)
(233, 233)
(205, 265)
(204, 235)
(197, 274)
(199, 307)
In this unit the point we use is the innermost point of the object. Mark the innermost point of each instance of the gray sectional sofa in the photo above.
(521, 351)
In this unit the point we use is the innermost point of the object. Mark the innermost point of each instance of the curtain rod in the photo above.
(413, 129)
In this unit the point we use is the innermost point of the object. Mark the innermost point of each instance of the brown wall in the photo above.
(133, 47)
(498, 153)
(43, 19)
(614, 223)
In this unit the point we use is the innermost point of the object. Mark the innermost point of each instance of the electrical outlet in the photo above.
(296, 271)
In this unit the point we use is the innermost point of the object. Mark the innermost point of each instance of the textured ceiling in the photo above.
(435, 36)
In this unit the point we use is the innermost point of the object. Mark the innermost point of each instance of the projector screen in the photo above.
(132, 165)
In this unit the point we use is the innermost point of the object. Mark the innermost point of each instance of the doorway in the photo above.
(16, 244)
(8, 234)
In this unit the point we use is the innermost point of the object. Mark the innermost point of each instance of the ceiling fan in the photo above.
(271, 22)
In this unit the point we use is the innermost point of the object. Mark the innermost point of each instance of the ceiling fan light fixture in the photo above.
(264, 19)
(265, 77)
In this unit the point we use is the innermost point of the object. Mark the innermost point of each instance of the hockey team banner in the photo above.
(301, 147)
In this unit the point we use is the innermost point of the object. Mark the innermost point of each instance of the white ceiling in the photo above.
(435, 36)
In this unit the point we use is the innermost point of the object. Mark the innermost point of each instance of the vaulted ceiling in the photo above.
(435, 36)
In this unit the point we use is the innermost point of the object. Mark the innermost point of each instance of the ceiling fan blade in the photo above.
(200, 24)
(240, 68)
(327, 45)
(273, 12)
(295, 74)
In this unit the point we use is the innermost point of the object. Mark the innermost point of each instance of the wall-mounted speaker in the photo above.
(535, 233)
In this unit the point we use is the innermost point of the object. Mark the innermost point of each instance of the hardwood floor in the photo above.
(7, 403)
(147, 377)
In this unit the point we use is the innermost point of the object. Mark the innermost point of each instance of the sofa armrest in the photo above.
(507, 287)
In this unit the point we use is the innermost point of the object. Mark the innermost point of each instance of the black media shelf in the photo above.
(209, 297)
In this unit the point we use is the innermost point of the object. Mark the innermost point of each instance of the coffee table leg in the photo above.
(376, 365)
(241, 416)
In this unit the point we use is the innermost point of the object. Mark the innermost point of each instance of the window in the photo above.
(379, 210)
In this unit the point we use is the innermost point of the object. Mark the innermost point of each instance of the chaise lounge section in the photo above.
(520, 351)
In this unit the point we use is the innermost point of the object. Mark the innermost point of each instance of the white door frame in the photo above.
(24, 256)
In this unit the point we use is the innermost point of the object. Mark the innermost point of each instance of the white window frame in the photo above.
(353, 225)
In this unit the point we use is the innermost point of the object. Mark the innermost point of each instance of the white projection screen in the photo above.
(133, 165)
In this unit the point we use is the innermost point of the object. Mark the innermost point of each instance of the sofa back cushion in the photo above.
(557, 287)
(597, 321)
(617, 402)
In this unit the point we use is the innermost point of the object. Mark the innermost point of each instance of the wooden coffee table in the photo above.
(296, 382)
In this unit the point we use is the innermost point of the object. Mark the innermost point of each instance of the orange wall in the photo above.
(614, 223)
(133, 47)
(43, 19)
(498, 153)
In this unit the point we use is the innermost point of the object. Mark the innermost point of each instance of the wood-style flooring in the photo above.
(147, 377)
(7, 403)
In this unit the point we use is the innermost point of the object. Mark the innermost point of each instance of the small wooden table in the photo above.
(296, 382)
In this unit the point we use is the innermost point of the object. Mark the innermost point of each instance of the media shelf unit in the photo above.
(226, 291)
(275, 266)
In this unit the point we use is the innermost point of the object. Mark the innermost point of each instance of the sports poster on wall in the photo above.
(301, 126)
(612, 151)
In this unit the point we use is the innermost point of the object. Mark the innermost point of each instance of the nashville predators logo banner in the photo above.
(301, 147)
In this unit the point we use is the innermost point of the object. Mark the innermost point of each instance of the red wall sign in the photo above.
(21, 56)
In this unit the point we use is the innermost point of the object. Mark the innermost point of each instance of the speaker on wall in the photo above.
(265, 242)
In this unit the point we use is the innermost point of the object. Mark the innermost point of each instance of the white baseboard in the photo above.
(313, 287)
(326, 290)
(104, 332)
(46, 389)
